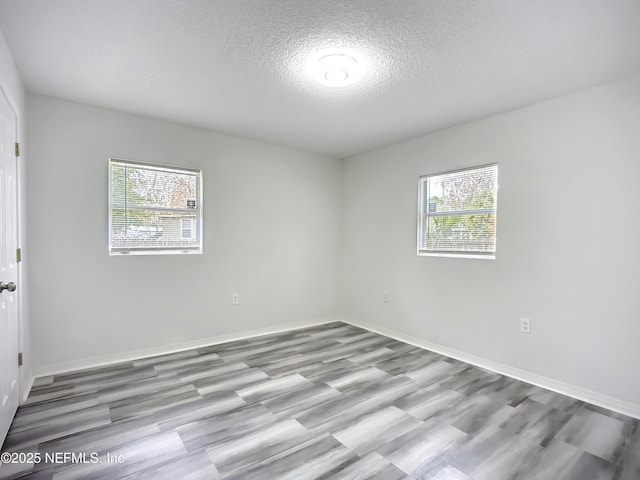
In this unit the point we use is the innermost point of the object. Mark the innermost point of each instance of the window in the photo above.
(457, 213)
(154, 209)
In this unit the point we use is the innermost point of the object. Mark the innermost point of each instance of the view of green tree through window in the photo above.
(457, 212)
(149, 205)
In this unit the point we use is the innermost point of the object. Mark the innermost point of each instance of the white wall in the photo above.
(568, 239)
(12, 86)
(271, 233)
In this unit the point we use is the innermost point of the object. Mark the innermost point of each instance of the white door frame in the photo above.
(4, 90)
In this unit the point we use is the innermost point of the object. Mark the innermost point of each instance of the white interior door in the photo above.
(9, 320)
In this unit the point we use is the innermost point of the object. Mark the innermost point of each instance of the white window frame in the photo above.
(424, 214)
(197, 210)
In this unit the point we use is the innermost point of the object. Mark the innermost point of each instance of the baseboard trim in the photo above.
(105, 360)
(548, 383)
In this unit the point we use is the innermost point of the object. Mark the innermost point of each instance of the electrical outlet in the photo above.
(386, 297)
(235, 299)
(525, 325)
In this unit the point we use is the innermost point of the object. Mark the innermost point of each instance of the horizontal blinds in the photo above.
(148, 205)
(458, 212)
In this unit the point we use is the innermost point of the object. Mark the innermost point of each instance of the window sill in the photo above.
(457, 255)
(155, 252)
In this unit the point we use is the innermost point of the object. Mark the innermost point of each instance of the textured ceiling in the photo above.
(239, 66)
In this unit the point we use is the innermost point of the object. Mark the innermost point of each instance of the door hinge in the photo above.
(17, 149)
(18, 255)
(20, 359)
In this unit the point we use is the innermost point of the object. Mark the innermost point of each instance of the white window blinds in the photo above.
(457, 212)
(150, 206)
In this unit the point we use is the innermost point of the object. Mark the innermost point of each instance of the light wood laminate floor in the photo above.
(332, 401)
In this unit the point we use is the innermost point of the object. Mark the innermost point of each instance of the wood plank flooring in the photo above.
(332, 401)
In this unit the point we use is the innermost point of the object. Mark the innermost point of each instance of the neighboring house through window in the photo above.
(186, 230)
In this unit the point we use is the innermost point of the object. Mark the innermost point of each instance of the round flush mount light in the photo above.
(336, 70)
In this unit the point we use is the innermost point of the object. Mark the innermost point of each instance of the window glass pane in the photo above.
(462, 233)
(150, 229)
(149, 188)
(465, 190)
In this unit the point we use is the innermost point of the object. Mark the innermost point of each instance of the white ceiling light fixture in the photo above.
(336, 70)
